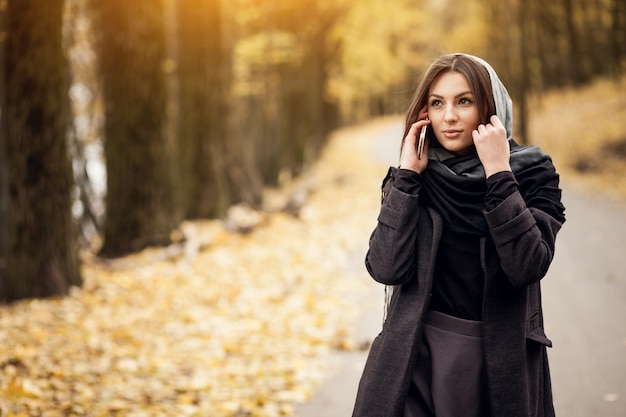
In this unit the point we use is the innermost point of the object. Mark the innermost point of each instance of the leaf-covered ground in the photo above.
(228, 324)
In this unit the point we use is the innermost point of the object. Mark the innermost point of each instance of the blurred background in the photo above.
(178, 109)
(121, 121)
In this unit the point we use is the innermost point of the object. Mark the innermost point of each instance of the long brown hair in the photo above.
(477, 76)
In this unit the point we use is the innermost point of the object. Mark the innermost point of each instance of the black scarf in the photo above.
(455, 186)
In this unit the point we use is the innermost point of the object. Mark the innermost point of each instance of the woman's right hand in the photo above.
(408, 154)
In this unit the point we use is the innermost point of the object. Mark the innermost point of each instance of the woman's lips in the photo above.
(452, 133)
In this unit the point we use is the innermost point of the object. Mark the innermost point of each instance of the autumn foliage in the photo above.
(228, 324)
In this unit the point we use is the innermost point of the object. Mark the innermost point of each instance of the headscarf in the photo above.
(456, 186)
(504, 104)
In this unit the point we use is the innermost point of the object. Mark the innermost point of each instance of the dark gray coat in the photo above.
(515, 257)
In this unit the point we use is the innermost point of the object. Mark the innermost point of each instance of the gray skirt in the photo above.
(449, 379)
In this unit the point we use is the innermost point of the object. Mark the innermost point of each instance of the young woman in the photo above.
(464, 235)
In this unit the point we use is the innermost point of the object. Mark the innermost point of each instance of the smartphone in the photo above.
(420, 142)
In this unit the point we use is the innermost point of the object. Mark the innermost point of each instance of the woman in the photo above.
(464, 236)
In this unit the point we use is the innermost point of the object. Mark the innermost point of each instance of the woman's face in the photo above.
(453, 112)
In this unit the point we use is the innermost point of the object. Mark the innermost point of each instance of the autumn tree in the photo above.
(378, 61)
(41, 253)
(141, 158)
(539, 45)
(564, 42)
(281, 70)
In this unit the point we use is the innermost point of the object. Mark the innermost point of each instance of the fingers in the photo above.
(423, 113)
(409, 158)
(412, 134)
(492, 146)
(495, 122)
(415, 129)
(494, 128)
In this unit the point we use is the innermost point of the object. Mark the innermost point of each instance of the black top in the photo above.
(459, 277)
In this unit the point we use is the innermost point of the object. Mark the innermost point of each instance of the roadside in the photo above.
(236, 321)
(335, 397)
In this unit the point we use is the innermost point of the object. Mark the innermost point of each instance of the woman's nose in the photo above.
(450, 114)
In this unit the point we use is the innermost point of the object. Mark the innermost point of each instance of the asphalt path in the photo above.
(584, 299)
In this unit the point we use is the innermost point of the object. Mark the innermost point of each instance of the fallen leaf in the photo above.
(238, 325)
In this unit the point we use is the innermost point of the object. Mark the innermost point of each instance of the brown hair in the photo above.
(477, 76)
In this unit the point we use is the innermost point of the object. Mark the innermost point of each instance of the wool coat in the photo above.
(515, 255)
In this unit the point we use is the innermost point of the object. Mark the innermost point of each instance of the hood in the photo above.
(504, 104)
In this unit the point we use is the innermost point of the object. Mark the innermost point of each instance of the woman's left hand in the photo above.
(409, 159)
(492, 146)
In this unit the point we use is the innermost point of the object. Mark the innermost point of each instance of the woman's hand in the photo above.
(408, 154)
(492, 146)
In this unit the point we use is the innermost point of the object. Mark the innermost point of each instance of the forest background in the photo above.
(121, 119)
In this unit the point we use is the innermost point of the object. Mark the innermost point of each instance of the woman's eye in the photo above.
(435, 103)
(465, 101)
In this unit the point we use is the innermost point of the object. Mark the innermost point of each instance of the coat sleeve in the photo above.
(390, 259)
(524, 238)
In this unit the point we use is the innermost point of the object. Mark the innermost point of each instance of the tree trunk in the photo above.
(141, 160)
(3, 164)
(618, 37)
(203, 85)
(42, 258)
(574, 55)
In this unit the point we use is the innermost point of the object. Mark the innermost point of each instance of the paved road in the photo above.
(585, 307)
(584, 298)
